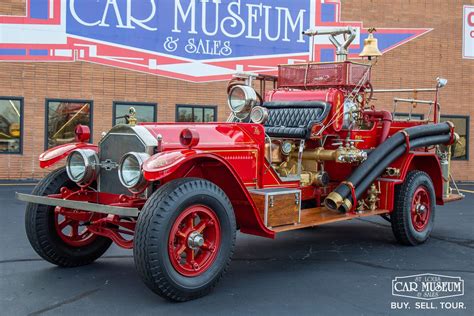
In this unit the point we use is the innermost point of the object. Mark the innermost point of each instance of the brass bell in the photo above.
(371, 47)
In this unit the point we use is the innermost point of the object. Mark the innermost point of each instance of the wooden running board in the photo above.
(321, 215)
(453, 197)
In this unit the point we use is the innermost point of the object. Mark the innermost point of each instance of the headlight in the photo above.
(82, 166)
(130, 171)
(241, 100)
(259, 115)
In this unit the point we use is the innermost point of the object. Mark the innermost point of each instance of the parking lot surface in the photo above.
(338, 269)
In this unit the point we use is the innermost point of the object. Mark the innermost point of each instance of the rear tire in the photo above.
(184, 239)
(414, 213)
(40, 224)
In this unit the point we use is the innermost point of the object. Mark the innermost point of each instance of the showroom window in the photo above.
(11, 125)
(406, 116)
(460, 150)
(145, 112)
(62, 117)
(196, 113)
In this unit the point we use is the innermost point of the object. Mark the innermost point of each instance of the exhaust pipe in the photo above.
(420, 136)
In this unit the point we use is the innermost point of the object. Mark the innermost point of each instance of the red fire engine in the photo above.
(310, 150)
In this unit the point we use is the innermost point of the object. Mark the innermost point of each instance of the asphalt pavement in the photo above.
(337, 269)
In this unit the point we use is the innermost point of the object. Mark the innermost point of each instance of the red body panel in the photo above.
(56, 154)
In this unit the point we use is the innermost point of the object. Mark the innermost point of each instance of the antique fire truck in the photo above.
(302, 149)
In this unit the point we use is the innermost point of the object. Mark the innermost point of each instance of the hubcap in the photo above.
(194, 241)
(420, 209)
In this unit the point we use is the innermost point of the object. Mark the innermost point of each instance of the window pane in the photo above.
(209, 115)
(185, 114)
(10, 126)
(460, 149)
(198, 115)
(406, 116)
(145, 113)
(63, 117)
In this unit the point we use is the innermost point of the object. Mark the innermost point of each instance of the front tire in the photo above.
(414, 212)
(184, 239)
(48, 235)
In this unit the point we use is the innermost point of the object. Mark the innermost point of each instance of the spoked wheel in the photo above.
(414, 212)
(420, 209)
(71, 231)
(194, 240)
(61, 238)
(184, 239)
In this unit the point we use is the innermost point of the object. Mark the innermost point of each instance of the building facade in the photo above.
(61, 65)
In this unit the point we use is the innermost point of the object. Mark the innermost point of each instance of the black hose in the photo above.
(394, 155)
(385, 149)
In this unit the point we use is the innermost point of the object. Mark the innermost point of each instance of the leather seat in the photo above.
(294, 119)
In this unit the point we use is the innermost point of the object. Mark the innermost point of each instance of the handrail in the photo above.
(403, 90)
(413, 101)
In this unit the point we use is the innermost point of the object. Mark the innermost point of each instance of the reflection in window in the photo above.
(460, 150)
(10, 125)
(197, 114)
(62, 119)
(145, 112)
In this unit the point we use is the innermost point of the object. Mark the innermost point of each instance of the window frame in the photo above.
(422, 116)
(115, 103)
(193, 106)
(46, 117)
(22, 119)
(468, 123)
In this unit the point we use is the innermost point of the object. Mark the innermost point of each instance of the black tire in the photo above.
(152, 233)
(41, 231)
(402, 223)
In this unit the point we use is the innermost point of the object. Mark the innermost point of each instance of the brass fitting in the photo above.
(318, 154)
(346, 205)
(333, 201)
(340, 155)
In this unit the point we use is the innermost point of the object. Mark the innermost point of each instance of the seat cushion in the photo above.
(294, 119)
(286, 132)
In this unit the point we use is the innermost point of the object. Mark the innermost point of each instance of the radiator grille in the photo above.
(112, 148)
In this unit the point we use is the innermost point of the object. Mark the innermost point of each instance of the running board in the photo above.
(78, 205)
(321, 215)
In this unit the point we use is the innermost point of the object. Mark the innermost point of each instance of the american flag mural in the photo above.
(193, 40)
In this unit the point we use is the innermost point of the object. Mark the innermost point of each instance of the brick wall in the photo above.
(415, 64)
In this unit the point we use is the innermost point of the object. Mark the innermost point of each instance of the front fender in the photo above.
(165, 163)
(56, 154)
(181, 163)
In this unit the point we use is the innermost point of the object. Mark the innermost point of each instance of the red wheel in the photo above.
(60, 236)
(420, 209)
(184, 239)
(72, 231)
(413, 215)
(194, 240)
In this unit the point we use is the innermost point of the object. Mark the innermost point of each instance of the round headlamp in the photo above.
(130, 171)
(241, 100)
(259, 115)
(82, 166)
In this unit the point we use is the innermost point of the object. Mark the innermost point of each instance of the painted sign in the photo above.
(468, 34)
(194, 40)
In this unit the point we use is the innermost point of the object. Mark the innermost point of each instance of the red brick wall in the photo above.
(415, 64)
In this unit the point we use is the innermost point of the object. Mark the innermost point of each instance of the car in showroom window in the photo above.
(11, 121)
(62, 117)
